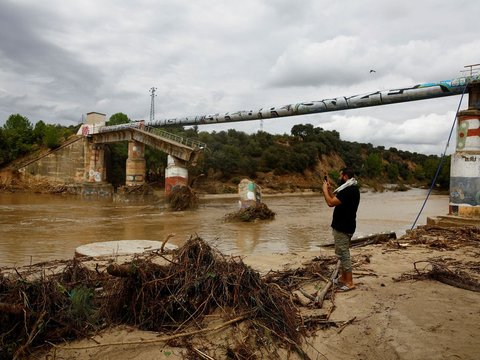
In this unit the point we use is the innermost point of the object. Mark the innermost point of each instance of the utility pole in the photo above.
(152, 103)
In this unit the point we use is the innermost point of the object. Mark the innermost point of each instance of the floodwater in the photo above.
(38, 227)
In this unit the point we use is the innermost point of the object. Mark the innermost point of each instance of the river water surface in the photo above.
(37, 227)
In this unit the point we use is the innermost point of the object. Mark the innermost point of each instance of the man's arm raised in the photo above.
(330, 199)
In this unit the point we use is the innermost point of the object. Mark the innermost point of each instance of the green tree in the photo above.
(303, 131)
(263, 139)
(155, 162)
(419, 173)
(352, 155)
(430, 167)
(404, 171)
(227, 160)
(248, 165)
(39, 131)
(392, 172)
(18, 132)
(52, 137)
(275, 157)
(4, 153)
(302, 156)
(444, 174)
(19, 124)
(373, 165)
(117, 119)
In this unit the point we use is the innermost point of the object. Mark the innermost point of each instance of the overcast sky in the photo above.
(61, 59)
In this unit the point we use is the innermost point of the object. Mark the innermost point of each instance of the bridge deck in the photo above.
(185, 149)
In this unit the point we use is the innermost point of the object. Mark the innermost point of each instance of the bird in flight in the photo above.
(372, 71)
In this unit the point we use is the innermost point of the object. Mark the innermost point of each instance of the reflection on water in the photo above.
(36, 227)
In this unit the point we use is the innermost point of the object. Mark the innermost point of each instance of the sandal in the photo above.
(344, 288)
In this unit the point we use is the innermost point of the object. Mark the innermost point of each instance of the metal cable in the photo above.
(440, 164)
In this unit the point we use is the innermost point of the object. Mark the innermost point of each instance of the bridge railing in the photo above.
(195, 144)
(179, 139)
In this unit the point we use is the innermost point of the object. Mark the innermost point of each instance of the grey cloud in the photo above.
(61, 59)
(38, 62)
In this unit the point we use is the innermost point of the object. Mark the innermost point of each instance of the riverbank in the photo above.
(395, 312)
(11, 181)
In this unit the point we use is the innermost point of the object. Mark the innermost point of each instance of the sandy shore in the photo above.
(388, 318)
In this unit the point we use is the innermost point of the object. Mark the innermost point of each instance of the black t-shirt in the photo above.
(345, 214)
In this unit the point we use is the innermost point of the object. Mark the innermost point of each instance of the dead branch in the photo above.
(323, 292)
(370, 239)
(202, 354)
(122, 271)
(11, 308)
(165, 241)
(345, 324)
(162, 339)
(307, 295)
(20, 353)
(439, 270)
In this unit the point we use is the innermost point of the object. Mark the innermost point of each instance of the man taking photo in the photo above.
(345, 199)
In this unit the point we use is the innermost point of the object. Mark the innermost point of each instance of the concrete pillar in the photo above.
(176, 173)
(136, 165)
(465, 166)
(250, 193)
(96, 169)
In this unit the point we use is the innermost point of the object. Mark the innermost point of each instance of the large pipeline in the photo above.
(382, 97)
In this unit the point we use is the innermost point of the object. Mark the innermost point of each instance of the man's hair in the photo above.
(348, 171)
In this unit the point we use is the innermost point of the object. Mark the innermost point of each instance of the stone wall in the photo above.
(63, 165)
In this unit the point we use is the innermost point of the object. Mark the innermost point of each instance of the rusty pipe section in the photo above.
(382, 97)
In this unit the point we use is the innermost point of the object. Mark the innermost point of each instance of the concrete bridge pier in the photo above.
(176, 173)
(136, 164)
(96, 170)
(464, 202)
(465, 166)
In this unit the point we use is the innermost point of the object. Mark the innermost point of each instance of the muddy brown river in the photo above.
(36, 227)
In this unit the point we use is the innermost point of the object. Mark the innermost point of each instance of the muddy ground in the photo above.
(400, 309)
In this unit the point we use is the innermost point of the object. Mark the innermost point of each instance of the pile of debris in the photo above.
(448, 270)
(259, 211)
(182, 198)
(440, 237)
(158, 292)
(454, 273)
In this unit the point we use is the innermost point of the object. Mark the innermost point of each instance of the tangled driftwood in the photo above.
(454, 274)
(440, 237)
(182, 198)
(196, 282)
(259, 211)
(171, 296)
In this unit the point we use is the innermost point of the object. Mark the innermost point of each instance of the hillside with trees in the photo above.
(292, 161)
(306, 155)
